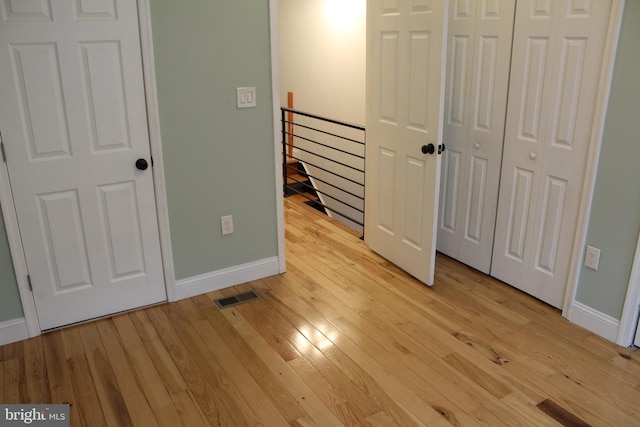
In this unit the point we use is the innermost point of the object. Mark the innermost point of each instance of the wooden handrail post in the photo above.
(290, 123)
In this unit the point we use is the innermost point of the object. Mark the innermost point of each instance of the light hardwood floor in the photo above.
(343, 338)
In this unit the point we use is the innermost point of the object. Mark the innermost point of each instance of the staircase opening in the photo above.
(323, 162)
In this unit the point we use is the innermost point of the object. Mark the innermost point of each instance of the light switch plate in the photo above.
(246, 97)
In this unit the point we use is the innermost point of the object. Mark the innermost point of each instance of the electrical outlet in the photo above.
(592, 258)
(226, 223)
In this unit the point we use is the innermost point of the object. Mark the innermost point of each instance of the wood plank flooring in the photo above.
(342, 338)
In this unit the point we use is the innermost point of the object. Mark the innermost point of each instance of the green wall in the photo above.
(219, 160)
(615, 216)
(10, 305)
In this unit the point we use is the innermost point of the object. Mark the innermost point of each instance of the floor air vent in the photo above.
(237, 299)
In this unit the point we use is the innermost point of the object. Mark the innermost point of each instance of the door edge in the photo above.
(155, 145)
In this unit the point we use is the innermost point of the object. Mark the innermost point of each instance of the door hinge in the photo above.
(29, 282)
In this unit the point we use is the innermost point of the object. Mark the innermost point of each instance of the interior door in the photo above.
(478, 60)
(73, 122)
(405, 47)
(557, 59)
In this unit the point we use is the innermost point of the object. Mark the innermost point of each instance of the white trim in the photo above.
(277, 133)
(216, 280)
(17, 253)
(13, 330)
(594, 321)
(631, 308)
(155, 143)
(600, 115)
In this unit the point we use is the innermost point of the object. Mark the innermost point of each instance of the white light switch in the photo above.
(246, 97)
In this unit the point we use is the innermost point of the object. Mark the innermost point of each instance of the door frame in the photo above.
(162, 210)
(631, 309)
(274, 43)
(569, 309)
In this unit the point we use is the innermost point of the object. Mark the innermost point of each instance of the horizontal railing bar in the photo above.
(324, 145)
(328, 195)
(327, 207)
(325, 119)
(327, 170)
(338, 200)
(325, 132)
(324, 157)
(328, 183)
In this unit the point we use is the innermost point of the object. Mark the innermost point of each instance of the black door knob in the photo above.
(428, 149)
(142, 164)
(441, 148)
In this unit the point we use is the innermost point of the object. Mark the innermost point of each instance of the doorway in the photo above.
(545, 195)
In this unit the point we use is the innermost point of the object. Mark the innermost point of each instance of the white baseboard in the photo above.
(594, 321)
(224, 278)
(13, 330)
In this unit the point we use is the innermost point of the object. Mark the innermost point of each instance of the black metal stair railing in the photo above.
(323, 160)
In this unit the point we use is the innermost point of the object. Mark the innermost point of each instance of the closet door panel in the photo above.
(556, 65)
(474, 127)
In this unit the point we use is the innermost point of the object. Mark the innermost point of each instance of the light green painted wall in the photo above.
(10, 305)
(615, 214)
(218, 160)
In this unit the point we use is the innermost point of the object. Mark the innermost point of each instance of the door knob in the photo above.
(533, 156)
(476, 145)
(428, 149)
(142, 164)
(441, 148)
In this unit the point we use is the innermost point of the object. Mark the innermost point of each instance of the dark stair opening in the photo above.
(298, 182)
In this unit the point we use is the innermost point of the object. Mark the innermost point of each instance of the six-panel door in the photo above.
(404, 113)
(73, 121)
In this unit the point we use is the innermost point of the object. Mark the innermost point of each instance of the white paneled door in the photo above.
(478, 59)
(404, 129)
(558, 49)
(73, 122)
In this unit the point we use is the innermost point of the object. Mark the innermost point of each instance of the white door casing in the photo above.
(405, 52)
(558, 49)
(478, 60)
(73, 124)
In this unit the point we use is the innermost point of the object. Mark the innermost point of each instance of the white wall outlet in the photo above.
(592, 258)
(226, 224)
(246, 97)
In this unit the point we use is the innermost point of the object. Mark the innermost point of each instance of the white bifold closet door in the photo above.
(479, 54)
(558, 49)
(522, 174)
